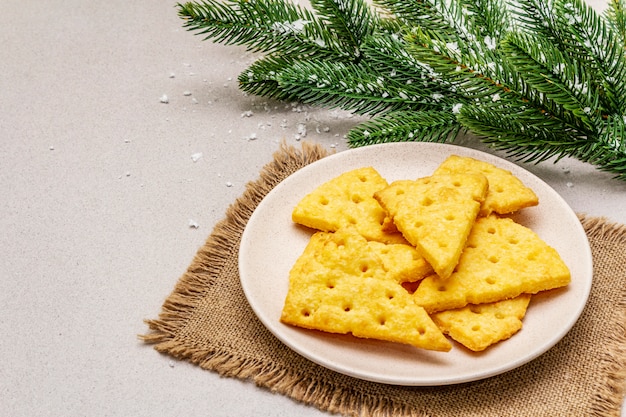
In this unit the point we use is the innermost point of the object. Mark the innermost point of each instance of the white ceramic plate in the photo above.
(271, 243)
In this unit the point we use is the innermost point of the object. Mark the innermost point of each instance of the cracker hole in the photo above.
(475, 309)
(532, 257)
(357, 199)
(442, 288)
(499, 316)
(364, 268)
(324, 201)
(347, 308)
(449, 217)
(390, 296)
(351, 220)
(426, 202)
(513, 241)
(476, 328)
(457, 183)
(418, 224)
(490, 280)
(442, 244)
(491, 231)
(330, 285)
(499, 190)
(421, 331)
(306, 313)
(382, 320)
(399, 192)
(493, 259)
(363, 178)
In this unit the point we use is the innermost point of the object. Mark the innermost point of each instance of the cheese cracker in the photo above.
(347, 200)
(507, 193)
(339, 285)
(502, 260)
(479, 326)
(436, 214)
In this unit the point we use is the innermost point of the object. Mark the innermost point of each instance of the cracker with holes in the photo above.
(479, 326)
(507, 193)
(340, 285)
(502, 260)
(347, 200)
(436, 214)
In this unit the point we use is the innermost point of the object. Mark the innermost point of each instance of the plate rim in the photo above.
(447, 149)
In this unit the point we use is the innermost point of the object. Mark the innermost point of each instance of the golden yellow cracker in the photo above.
(402, 263)
(502, 260)
(507, 193)
(339, 285)
(436, 214)
(479, 326)
(347, 200)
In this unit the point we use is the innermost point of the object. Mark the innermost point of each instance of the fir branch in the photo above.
(261, 78)
(539, 79)
(403, 126)
(271, 26)
(351, 20)
(616, 17)
(352, 87)
(566, 97)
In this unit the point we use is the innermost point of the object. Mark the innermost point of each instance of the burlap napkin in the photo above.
(207, 321)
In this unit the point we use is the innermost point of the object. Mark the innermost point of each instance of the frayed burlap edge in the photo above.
(324, 395)
(610, 393)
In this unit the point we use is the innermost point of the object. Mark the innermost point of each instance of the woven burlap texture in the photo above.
(207, 321)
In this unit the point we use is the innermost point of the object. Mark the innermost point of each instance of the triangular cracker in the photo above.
(479, 326)
(507, 193)
(436, 214)
(339, 285)
(347, 200)
(502, 260)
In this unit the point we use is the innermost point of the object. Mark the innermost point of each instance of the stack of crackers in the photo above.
(416, 261)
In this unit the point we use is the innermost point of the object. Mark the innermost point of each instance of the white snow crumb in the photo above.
(247, 113)
(164, 99)
(127, 174)
(301, 128)
(51, 147)
(194, 101)
(456, 109)
(490, 43)
(186, 64)
(252, 136)
(196, 156)
(171, 364)
(570, 184)
(126, 140)
(587, 110)
(437, 96)
(229, 184)
(186, 93)
(495, 97)
(333, 145)
(172, 75)
(366, 133)
(193, 224)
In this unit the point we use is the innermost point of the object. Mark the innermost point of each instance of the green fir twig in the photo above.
(538, 79)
